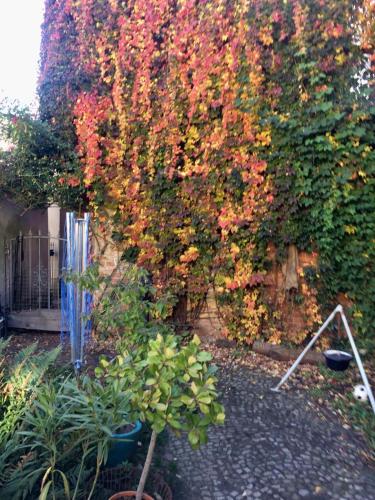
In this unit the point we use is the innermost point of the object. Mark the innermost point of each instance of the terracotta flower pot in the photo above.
(129, 494)
(120, 482)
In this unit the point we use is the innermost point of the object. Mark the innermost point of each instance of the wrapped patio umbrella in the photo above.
(76, 302)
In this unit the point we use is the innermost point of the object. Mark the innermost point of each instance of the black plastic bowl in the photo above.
(337, 360)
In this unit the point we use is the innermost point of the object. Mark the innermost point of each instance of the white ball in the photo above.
(360, 393)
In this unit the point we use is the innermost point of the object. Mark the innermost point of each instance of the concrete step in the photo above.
(38, 319)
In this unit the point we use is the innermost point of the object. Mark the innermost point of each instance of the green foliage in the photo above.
(322, 156)
(128, 307)
(327, 202)
(64, 439)
(60, 430)
(19, 383)
(169, 385)
(37, 167)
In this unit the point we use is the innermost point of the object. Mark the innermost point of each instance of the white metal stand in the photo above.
(338, 310)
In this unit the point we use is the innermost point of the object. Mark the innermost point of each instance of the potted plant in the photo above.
(129, 494)
(123, 443)
(64, 436)
(168, 385)
(125, 311)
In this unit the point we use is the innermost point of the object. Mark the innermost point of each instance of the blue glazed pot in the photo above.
(123, 446)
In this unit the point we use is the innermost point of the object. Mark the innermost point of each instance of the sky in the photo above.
(20, 22)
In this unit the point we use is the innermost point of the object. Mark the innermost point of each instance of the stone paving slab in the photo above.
(273, 446)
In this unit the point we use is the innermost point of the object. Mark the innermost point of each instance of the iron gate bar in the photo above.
(49, 275)
(30, 272)
(27, 258)
(39, 278)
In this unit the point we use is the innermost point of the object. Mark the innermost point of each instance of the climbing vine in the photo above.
(209, 130)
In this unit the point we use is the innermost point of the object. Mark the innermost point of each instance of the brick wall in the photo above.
(293, 319)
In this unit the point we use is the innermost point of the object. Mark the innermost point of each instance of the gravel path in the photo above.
(273, 446)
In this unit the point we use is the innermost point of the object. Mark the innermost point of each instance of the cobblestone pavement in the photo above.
(273, 446)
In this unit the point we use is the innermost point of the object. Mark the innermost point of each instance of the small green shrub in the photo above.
(169, 385)
(155, 378)
(128, 308)
(19, 383)
(64, 439)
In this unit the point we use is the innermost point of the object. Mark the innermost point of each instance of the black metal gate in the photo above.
(33, 266)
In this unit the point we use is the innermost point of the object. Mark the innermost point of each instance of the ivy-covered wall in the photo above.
(209, 131)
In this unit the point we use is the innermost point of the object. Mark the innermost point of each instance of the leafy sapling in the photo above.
(169, 386)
